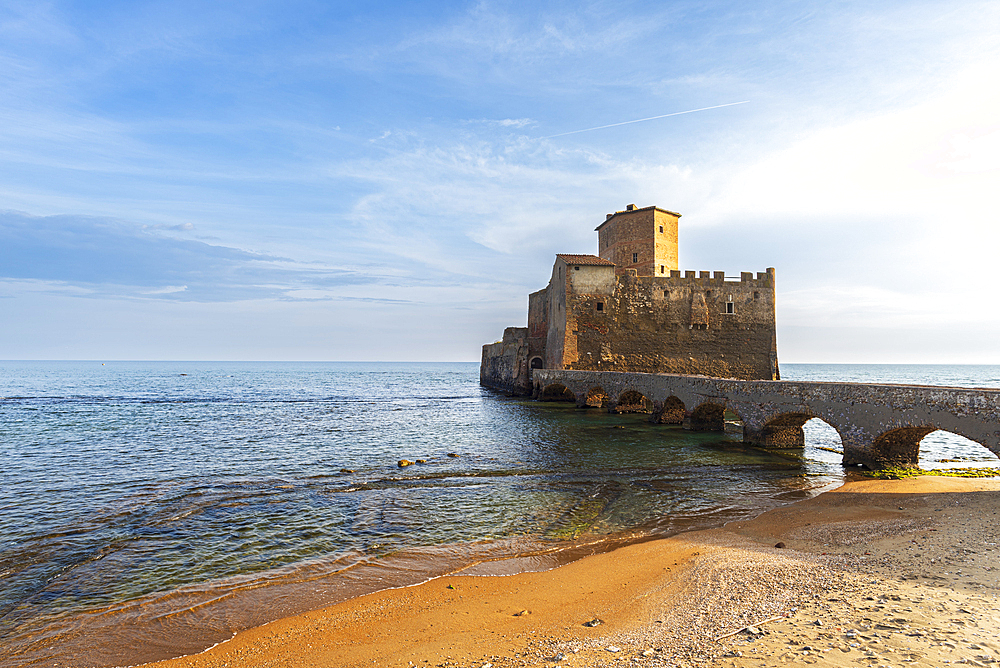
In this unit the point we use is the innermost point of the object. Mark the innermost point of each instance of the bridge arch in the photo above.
(556, 392)
(903, 446)
(673, 411)
(900, 446)
(708, 417)
(948, 447)
(632, 401)
(596, 398)
(785, 430)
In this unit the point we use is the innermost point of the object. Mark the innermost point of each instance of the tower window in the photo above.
(756, 296)
(576, 268)
(600, 306)
(662, 268)
(635, 257)
(730, 307)
(661, 229)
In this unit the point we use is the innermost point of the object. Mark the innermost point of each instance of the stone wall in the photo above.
(504, 365)
(696, 324)
(538, 326)
(648, 234)
(879, 424)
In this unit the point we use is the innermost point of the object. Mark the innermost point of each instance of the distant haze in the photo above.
(383, 181)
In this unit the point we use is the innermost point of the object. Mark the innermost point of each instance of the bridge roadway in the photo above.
(879, 424)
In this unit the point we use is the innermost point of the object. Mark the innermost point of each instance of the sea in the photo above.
(153, 509)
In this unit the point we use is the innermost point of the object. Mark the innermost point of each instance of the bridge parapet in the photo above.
(879, 424)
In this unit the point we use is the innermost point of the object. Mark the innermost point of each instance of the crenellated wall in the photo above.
(699, 323)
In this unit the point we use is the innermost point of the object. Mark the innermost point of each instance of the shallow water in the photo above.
(151, 508)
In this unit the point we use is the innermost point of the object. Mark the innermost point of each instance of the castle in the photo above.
(630, 309)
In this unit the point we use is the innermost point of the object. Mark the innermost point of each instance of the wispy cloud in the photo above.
(503, 122)
(108, 257)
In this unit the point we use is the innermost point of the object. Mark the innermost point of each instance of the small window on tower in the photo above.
(635, 257)
(600, 306)
(662, 268)
(661, 229)
(730, 307)
(756, 296)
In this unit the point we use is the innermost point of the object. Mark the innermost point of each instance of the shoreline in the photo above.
(189, 620)
(837, 592)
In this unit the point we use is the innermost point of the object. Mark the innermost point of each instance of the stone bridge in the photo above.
(879, 424)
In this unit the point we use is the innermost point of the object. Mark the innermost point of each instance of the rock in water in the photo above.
(404, 463)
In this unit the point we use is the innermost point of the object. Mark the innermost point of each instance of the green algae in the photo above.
(898, 473)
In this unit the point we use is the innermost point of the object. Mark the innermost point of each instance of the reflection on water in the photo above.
(148, 509)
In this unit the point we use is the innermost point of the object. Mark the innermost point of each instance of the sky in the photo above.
(305, 180)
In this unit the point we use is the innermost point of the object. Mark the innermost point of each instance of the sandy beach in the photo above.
(875, 573)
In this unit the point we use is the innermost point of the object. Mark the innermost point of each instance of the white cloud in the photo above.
(505, 122)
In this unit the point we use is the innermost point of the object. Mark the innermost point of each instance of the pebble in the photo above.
(593, 622)
(612, 648)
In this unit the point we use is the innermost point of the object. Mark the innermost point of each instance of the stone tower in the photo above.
(643, 240)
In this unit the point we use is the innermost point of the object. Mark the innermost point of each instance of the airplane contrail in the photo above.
(641, 120)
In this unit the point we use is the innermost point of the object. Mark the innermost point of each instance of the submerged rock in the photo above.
(402, 463)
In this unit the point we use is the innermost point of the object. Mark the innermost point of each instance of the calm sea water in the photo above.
(153, 508)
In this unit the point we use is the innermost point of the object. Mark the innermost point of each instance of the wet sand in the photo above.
(875, 573)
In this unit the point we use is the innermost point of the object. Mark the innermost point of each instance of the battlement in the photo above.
(763, 278)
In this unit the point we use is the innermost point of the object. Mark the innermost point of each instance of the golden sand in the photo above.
(875, 573)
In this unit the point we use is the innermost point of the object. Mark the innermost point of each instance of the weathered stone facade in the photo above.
(505, 363)
(641, 240)
(597, 315)
(879, 424)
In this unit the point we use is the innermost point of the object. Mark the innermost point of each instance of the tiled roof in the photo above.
(591, 260)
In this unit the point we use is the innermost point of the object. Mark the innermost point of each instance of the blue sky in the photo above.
(380, 181)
